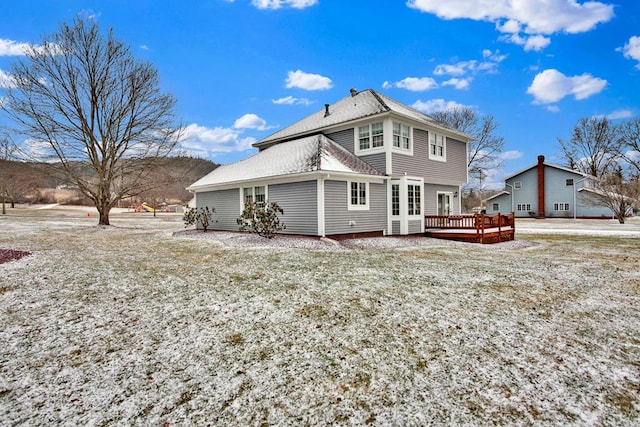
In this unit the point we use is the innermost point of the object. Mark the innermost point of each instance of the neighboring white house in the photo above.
(546, 190)
(364, 165)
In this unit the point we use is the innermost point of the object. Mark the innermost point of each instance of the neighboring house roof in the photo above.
(535, 165)
(358, 105)
(313, 153)
(502, 193)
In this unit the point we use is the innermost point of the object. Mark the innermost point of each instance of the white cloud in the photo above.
(533, 18)
(12, 48)
(458, 69)
(290, 100)
(251, 121)
(553, 108)
(458, 83)
(433, 105)
(6, 80)
(144, 47)
(620, 114)
(490, 63)
(414, 84)
(536, 43)
(205, 142)
(551, 86)
(277, 4)
(510, 155)
(631, 49)
(308, 81)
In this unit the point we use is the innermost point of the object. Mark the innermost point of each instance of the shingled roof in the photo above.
(309, 154)
(357, 105)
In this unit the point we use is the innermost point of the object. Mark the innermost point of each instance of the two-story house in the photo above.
(366, 164)
(545, 190)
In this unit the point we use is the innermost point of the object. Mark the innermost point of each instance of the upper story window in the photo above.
(437, 146)
(517, 185)
(401, 138)
(371, 136)
(569, 182)
(358, 196)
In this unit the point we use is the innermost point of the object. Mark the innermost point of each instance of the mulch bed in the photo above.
(7, 255)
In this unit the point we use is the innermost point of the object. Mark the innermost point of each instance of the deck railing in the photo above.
(477, 224)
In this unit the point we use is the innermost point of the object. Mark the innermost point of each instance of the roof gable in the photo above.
(313, 153)
(535, 165)
(358, 105)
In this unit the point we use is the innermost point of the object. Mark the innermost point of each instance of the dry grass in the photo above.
(130, 325)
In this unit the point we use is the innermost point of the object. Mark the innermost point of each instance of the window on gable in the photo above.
(401, 137)
(370, 136)
(496, 207)
(569, 182)
(358, 196)
(437, 146)
(517, 185)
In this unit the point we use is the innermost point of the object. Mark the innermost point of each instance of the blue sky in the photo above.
(242, 69)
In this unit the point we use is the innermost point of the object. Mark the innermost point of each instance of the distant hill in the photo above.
(28, 182)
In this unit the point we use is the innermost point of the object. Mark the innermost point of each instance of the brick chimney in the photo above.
(541, 187)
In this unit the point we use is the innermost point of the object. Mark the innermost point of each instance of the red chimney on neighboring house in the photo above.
(541, 187)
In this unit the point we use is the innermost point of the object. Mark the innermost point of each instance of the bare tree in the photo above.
(593, 146)
(85, 97)
(7, 149)
(629, 133)
(484, 151)
(604, 150)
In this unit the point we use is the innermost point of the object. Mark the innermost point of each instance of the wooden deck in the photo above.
(478, 228)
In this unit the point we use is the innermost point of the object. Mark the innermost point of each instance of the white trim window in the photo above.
(496, 207)
(401, 136)
(568, 182)
(437, 146)
(526, 207)
(358, 196)
(370, 136)
(254, 194)
(561, 206)
(517, 185)
(395, 199)
(413, 199)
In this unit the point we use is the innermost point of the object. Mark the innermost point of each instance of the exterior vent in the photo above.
(353, 92)
(326, 110)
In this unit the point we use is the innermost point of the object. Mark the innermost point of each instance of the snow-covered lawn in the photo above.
(133, 324)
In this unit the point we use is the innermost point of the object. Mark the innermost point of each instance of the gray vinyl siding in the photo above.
(227, 208)
(395, 227)
(454, 169)
(337, 215)
(504, 204)
(299, 201)
(431, 198)
(345, 138)
(415, 227)
(528, 194)
(378, 161)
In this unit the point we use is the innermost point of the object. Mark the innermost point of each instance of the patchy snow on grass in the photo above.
(147, 323)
